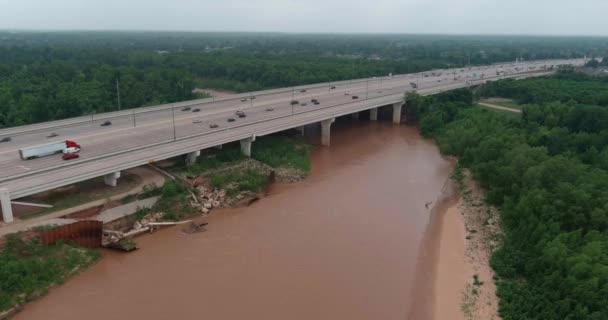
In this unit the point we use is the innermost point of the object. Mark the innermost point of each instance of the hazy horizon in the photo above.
(439, 17)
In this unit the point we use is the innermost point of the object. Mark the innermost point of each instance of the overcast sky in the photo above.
(555, 17)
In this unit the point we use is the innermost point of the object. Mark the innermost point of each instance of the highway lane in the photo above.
(127, 123)
(85, 170)
(157, 126)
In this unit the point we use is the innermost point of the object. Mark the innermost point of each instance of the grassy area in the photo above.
(237, 181)
(174, 202)
(282, 152)
(80, 193)
(28, 268)
(229, 155)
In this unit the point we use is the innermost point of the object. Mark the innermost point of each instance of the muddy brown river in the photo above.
(343, 244)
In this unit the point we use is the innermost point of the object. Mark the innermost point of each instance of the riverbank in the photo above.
(463, 279)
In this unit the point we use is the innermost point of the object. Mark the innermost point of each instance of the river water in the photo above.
(343, 244)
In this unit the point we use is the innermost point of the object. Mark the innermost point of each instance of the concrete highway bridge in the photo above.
(149, 134)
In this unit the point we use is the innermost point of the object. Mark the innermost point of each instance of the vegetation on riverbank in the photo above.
(548, 172)
(229, 169)
(28, 268)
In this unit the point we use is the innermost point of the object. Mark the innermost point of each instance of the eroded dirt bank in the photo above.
(343, 244)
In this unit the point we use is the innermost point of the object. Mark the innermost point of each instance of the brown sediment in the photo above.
(425, 295)
(458, 248)
(342, 244)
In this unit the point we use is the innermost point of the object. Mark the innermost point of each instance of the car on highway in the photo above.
(5, 139)
(252, 97)
(332, 87)
(313, 100)
(52, 135)
(316, 102)
(269, 109)
(230, 120)
(303, 90)
(303, 104)
(197, 121)
(213, 125)
(186, 109)
(347, 93)
(355, 97)
(70, 156)
(239, 112)
(106, 123)
(244, 99)
(242, 115)
(294, 102)
(196, 110)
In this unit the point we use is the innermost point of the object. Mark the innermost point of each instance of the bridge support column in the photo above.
(301, 130)
(373, 114)
(397, 112)
(246, 146)
(326, 131)
(355, 115)
(191, 157)
(111, 178)
(7, 208)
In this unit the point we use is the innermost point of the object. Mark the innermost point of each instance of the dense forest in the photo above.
(548, 172)
(55, 75)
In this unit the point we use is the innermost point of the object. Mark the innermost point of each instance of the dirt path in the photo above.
(494, 106)
(148, 176)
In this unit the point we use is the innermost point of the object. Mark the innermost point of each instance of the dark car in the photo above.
(355, 97)
(313, 100)
(304, 104)
(244, 99)
(106, 123)
(242, 115)
(303, 90)
(5, 139)
(239, 112)
(52, 135)
(213, 126)
(333, 87)
(186, 109)
(196, 110)
(270, 109)
(316, 102)
(294, 102)
(230, 120)
(70, 156)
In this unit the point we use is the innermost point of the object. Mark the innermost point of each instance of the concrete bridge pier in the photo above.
(326, 131)
(246, 146)
(7, 208)
(373, 114)
(111, 179)
(191, 157)
(397, 112)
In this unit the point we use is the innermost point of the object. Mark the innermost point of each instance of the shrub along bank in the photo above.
(547, 172)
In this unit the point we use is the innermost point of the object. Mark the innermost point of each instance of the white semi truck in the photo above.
(48, 149)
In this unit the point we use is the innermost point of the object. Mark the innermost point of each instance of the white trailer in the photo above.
(48, 149)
